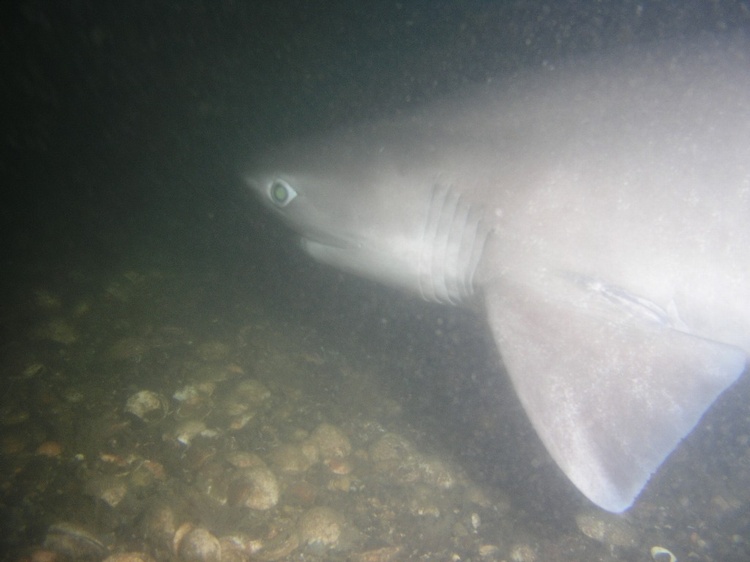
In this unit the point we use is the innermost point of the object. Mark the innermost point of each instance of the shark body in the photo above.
(599, 214)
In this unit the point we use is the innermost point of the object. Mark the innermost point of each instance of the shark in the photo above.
(597, 213)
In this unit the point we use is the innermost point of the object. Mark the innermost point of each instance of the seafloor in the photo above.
(265, 438)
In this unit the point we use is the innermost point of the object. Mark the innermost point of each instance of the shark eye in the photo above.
(281, 193)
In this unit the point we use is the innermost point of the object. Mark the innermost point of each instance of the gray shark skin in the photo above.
(599, 214)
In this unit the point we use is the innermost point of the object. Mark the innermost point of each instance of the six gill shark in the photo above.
(600, 214)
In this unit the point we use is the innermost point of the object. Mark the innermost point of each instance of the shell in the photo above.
(522, 553)
(129, 557)
(147, 405)
(248, 395)
(607, 528)
(74, 542)
(194, 401)
(187, 430)
(58, 330)
(160, 526)
(331, 442)
(252, 391)
(255, 487)
(199, 545)
(110, 489)
(320, 527)
(293, 459)
(660, 553)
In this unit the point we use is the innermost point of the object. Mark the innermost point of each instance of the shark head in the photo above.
(602, 214)
(377, 213)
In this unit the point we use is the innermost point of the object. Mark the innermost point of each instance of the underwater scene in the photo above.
(184, 379)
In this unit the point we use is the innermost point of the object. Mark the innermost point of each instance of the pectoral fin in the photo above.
(610, 389)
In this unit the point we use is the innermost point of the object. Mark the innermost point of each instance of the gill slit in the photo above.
(452, 243)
